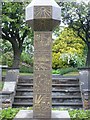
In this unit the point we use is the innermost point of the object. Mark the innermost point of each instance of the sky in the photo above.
(75, 0)
(83, 1)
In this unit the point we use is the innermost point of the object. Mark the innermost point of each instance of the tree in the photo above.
(77, 16)
(14, 28)
(68, 50)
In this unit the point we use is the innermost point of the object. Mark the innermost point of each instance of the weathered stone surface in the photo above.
(85, 86)
(44, 65)
(42, 56)
(42, 75)
(43, 41)
(42, 82)
(43, 17)
(6, 99)
(41, 12)
(55, 115)
(42, 105)
(9, 86)
(12, 75)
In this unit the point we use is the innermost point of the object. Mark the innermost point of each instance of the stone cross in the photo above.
(42, 16)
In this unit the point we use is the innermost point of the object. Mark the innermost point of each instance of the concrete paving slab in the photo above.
(28, 115)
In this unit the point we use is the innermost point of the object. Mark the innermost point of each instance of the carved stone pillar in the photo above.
(42, 102)
(43, 17)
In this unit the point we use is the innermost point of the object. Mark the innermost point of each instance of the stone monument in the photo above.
(42, 16)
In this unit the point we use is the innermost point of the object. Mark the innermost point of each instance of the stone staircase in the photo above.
(65, 92)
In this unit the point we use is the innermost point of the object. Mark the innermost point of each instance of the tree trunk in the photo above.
(88, 56)
(16, 58)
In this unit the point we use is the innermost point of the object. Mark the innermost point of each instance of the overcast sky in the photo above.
(83, 0)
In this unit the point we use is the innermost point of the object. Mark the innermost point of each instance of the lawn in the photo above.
(71, 74)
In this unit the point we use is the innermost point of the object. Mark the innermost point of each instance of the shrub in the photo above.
(25, 69)
(26, 58)
(7, 59)
(79, 114)
(8, 114)
(68, 50)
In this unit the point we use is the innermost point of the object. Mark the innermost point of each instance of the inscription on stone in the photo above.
(43, 82)
(42, 41)
(42, 12)
(42, 16)
(42, 74)
(42, 105)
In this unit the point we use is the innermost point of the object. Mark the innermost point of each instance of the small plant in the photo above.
(8, 114)
(25, 69)
(79, 114)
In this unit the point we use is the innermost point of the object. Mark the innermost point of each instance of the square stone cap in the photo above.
(56, 9)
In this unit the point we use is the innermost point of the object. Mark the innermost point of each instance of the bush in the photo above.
(7, 59)
(64, 70)
(26, 58)
(25, 69)
(8, 114)
(68, 50)
(79, 114)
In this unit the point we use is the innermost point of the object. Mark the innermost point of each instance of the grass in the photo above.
(25, 73)
(67, 74)
(71, 74)
(4, 73)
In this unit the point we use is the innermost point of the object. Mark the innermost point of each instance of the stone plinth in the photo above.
(85, 86)
(55, 115)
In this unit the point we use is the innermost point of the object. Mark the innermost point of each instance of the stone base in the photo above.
(28, 115)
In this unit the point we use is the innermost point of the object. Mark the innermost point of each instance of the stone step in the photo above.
(65, 78)
(53, 90)
(69, 85)
(65, 92)
(54, 80)
(53, 97)
(54, 86)
(17, 104)
(54, 94)
(66, 85)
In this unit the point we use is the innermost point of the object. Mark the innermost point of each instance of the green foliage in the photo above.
(64, 71)
(77, 16)
(68, 50)
(79, 114)
(25, 69)
(27, 58)
(15, 29)
(26, 65)
(10, 113)
(7, 59)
